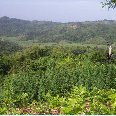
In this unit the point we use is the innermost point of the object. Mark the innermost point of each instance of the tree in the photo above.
(109, 3)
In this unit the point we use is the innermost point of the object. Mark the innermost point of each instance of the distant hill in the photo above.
(98, 32)
(15, 27)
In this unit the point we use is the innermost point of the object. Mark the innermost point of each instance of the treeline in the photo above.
(98, 32)
(17, 27)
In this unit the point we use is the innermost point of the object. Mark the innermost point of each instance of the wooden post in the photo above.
(109, 53)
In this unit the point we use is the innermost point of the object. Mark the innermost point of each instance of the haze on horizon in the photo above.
(56, 10)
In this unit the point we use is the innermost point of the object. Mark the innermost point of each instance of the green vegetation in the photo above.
(7, 47)
(94, 32)
(109, 3)
(57, 68)
(58, 80)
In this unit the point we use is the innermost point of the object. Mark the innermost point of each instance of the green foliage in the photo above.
(57, 79)
(8, 47)
(96, 32)
(23, 28)
(109, 3)
(72, 80)
(5, 65)
(82, 101)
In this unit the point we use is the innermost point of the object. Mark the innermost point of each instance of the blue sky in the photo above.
(56, 10)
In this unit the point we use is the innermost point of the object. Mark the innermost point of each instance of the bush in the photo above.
(49, 79)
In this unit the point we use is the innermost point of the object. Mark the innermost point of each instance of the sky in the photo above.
(56, 10)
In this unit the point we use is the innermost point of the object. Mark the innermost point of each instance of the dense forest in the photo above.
(99, 32)
(57, 78)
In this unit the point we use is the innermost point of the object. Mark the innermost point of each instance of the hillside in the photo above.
(98, 32)
(16, 27)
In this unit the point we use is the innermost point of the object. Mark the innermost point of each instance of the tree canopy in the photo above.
(98, 32)
(109, 3)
